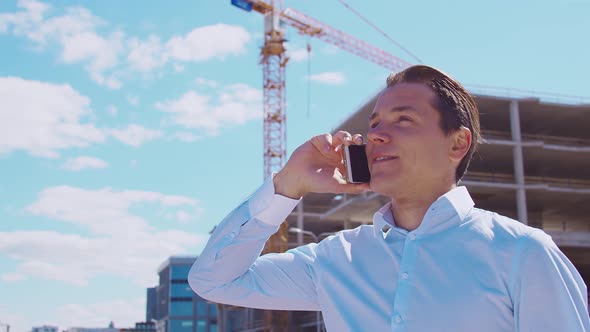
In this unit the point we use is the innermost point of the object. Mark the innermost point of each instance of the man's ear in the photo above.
(460, 143)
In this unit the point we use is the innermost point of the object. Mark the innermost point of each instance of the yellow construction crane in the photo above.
(274, 60)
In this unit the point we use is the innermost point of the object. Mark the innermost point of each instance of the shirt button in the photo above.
(412, 237)
(405, 276)
(397, 319)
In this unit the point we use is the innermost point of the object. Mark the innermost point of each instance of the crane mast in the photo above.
(273, 59)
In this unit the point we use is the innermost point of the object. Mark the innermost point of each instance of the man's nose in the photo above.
(377, 135)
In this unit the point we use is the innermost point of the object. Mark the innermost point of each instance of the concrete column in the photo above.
(346, 224)
(518, 162)
(300, 223)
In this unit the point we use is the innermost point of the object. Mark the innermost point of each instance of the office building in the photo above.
(151, 306)
(45, 328)
(178, 308)
(141, 327)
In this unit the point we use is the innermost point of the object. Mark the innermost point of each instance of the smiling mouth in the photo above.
(383, 158)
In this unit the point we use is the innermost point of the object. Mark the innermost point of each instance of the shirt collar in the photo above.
(455, 203)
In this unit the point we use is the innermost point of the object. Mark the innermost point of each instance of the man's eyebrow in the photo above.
(395, 109)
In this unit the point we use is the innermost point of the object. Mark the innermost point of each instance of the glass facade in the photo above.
(202, 325)
(212, 309)
(181, 290)
(179, 308)
(202, 308)
(180, 272)
(178, 325)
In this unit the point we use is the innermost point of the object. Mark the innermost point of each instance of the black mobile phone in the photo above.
(356, 165)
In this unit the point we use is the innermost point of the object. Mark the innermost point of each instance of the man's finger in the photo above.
(358, 139)
(341, 137)
(322, 143)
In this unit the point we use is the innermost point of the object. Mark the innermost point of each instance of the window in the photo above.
(177, 325)
(180, 272)
(180, 290)
(202, 308)
(181, 308)
(201, 326)
(212, 309)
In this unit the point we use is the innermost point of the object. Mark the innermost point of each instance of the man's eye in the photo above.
(404, 118)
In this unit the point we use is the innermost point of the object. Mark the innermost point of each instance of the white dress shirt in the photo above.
(462, 269)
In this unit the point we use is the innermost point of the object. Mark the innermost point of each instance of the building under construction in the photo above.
(534, 166)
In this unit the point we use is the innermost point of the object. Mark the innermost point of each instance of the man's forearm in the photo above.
(238, 240)
(230, 251)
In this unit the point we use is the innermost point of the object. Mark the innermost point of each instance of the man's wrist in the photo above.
(287, 186)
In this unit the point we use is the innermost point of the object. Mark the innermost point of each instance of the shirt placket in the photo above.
(405, 276)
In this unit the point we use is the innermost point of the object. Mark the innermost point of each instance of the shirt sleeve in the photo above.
(230, 271)
(548, 292)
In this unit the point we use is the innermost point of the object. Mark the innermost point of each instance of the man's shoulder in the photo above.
(349, 235)
(501, 227)
(358, 231)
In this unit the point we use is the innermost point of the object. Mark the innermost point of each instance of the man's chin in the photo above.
(384, 185)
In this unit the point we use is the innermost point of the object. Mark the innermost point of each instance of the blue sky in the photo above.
(128, 129)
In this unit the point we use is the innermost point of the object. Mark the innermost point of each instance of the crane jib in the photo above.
(243, 4)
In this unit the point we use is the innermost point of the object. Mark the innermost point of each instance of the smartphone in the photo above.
(356, 165)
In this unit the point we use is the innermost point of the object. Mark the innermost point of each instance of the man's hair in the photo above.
(455, 105)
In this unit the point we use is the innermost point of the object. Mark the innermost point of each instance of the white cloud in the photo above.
(7, 316)
(122, 312)
(330, 49)
(206, 82)
(178, 68)
(86, 39)
(187, 136)
(84, 162)
(234, 105)
(42, 118)
(204, 43)
(21, 21)
(112, 109)
(298, 55)
(146, 55)
(135, 135)
(183, 217)
(109, 82)
(133, 100)
(332, 78)
(75, 33)
(104, 211)
(113, 229)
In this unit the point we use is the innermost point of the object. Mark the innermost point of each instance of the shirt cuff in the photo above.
(268, 207)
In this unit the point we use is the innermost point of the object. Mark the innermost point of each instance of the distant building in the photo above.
(142, 327)
(177, 307)
(45, 328)
(92, 329)
(151, 304)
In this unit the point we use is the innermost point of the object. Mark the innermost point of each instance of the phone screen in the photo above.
(357, 164)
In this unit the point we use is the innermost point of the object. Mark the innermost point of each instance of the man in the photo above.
(431, 261)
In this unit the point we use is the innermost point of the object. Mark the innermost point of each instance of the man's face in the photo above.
(408, 151)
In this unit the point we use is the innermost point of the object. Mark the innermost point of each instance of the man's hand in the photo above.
(316, 166)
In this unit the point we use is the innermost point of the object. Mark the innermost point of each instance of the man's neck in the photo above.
(408, 211)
